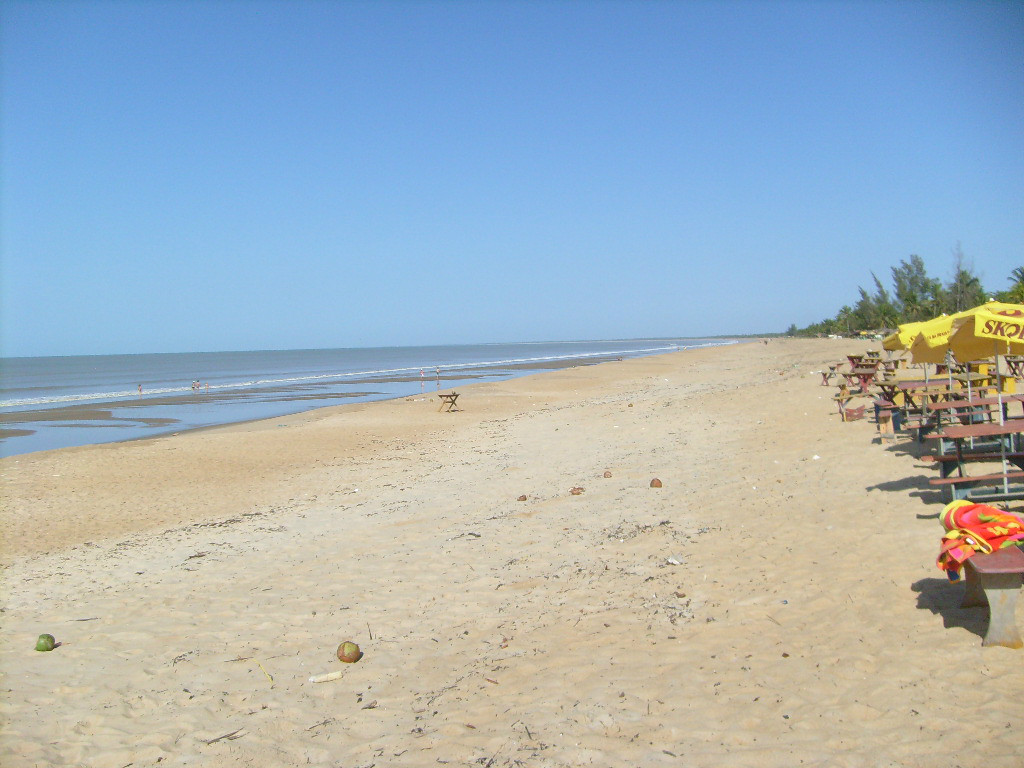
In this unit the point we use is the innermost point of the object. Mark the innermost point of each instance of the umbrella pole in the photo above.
(999, 382)
(1002, 420)
(924, 409)
(949, 370)
(924, 397)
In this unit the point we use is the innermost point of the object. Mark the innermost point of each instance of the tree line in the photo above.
(914, 296)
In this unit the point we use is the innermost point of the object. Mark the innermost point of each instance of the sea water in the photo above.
(56, 402)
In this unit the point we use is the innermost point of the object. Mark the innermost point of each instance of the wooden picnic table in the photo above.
(890, 386)
(861, 376)
(848, 412)
(974, 380)
(864, 361)
(996, 486)
(931, 392)
(894, 364)
(924, 399)
(1001, 436)
(1009, 428)
(1015, 365)
(826, 376)
(936, 415)
(988, 407)
(1006, 434)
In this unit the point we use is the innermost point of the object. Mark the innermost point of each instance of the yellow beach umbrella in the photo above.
(932, 342)
(991, 330)
(903, 338)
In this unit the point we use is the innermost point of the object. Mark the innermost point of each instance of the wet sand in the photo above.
(135, 415)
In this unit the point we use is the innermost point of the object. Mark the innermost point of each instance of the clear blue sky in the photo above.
(199, 176)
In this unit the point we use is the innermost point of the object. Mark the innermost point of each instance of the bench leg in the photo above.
(959, 493)
(885, 427)
(999, 591)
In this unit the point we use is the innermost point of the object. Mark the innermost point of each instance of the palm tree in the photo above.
(1016, 293)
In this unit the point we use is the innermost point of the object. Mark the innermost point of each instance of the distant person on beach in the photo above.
(140, 389)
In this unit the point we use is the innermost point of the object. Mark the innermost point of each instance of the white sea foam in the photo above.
(292, 380)
(254, 385)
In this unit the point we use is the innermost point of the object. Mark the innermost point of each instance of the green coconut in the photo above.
(45, 643)
(349, 652)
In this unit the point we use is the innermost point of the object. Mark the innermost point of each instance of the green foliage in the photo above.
(964, 290)
(915, 296)
(918, 297)
(1015, 295)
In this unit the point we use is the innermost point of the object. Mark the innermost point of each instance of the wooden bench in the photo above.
(1015, 365)
(995, 580)
(448, 399)
(848, 412)
(888, 417)
(925, 424)
(853, 413)
(921, 424)
(862, 377)
(948, 462)
(992, 490)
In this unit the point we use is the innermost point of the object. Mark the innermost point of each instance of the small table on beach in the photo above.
(448, 400)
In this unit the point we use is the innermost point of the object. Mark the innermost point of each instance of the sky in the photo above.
(200, 176)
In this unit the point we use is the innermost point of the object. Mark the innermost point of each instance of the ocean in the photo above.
(58, 402)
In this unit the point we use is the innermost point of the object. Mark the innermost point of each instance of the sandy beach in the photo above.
(774, 603)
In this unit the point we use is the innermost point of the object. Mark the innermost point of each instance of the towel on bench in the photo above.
(972, 528)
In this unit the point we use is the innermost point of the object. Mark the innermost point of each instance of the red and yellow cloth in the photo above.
(972, 528)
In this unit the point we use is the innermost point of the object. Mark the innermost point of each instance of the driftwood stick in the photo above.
(233, 735)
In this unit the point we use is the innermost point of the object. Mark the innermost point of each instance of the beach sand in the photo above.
(774, 603)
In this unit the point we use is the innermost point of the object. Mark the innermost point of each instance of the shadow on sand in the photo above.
(942, 597)
(918, 486)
